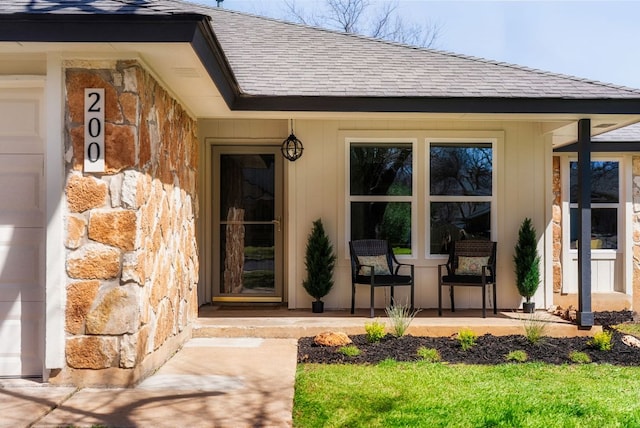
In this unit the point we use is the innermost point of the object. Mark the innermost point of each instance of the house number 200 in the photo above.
(94, 130)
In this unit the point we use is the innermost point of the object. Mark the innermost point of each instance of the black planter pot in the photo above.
(317, 306)
(528, 307)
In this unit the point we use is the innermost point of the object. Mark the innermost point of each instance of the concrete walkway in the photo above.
(211, 382)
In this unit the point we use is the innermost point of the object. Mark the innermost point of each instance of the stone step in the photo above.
(505, 323)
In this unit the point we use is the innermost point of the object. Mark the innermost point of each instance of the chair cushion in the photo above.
(379, 263)
(466, 279)
(384, 279)
(471, 265)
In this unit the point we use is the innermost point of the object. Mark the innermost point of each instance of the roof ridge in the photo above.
(428, 49)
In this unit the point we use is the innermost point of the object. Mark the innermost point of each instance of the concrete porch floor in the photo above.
(280, 322)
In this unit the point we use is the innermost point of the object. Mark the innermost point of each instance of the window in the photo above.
(456, 202)
(605, 198)
(460, 192)
(381, 193)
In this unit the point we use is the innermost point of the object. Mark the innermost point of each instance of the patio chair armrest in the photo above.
(359, 268)
(398, 265)
(443, 265)
(487, 270)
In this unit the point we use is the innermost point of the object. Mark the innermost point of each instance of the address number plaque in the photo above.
(94, 130)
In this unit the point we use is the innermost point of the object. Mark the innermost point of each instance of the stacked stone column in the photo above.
(132, 261)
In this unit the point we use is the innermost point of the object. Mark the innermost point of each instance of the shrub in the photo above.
(579, 357)
(375, 331)
(518, 356)
(466, 338)
(349, 350)
(535, 329)
(401, 317)
(430, 355)
(319, 261)
(601, 341)
(527, 260)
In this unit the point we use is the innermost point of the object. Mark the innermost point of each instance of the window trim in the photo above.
(413, 198)
(428, 198)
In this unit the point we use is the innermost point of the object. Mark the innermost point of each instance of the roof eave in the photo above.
(194, 29)
(489, 105)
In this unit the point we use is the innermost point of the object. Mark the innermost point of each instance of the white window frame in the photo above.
(443, 198)
(413, 198)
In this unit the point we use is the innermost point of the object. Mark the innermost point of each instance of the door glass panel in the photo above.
(247, 252)
(247, 182)
(604, 228)
(605, 197)
(247, 259)
(605, 182)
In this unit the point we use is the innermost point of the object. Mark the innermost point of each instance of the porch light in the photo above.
(292, 147)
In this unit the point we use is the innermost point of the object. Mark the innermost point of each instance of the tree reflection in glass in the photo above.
(381, 186)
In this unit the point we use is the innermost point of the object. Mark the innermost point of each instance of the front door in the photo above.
(247, 224)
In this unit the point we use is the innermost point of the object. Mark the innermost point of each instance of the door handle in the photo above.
(277, 222)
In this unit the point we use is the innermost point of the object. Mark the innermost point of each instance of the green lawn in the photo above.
(438, 395)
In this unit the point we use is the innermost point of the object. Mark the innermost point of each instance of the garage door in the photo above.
(21, 233)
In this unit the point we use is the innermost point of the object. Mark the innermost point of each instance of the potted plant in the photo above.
(527, 264)
(319, 261)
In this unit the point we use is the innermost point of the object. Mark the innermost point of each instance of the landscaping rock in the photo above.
(632, 341)
(330, 338)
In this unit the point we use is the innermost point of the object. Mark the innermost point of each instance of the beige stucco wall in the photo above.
(131, 261)
(315, 188)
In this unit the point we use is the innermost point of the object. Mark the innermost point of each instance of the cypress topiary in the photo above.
(320, 261)
(527, 261)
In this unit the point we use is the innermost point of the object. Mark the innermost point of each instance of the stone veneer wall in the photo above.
(557, 226)
(132, 261)
(635, 180)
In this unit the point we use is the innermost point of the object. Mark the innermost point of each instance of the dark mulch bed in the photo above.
(488, 350)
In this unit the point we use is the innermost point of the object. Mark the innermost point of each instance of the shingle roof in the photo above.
(270, 57)
(151, 7)
(628, 133)
(274, 58)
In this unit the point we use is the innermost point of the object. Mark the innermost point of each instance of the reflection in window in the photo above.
(381, 192)
(461, 190)
(605, 197)
(248, 185)
(605, 186)
(604, 228)
(452, 221)
(384, 220)
(460, 170)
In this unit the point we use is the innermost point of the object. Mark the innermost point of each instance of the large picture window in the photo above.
(457, 201)
(381, 193)
(605, 199)
(460, 192)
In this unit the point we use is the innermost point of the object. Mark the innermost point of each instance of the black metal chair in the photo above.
(472, 263)
(376, 255)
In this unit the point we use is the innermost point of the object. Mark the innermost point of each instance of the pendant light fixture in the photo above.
(292, 147)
